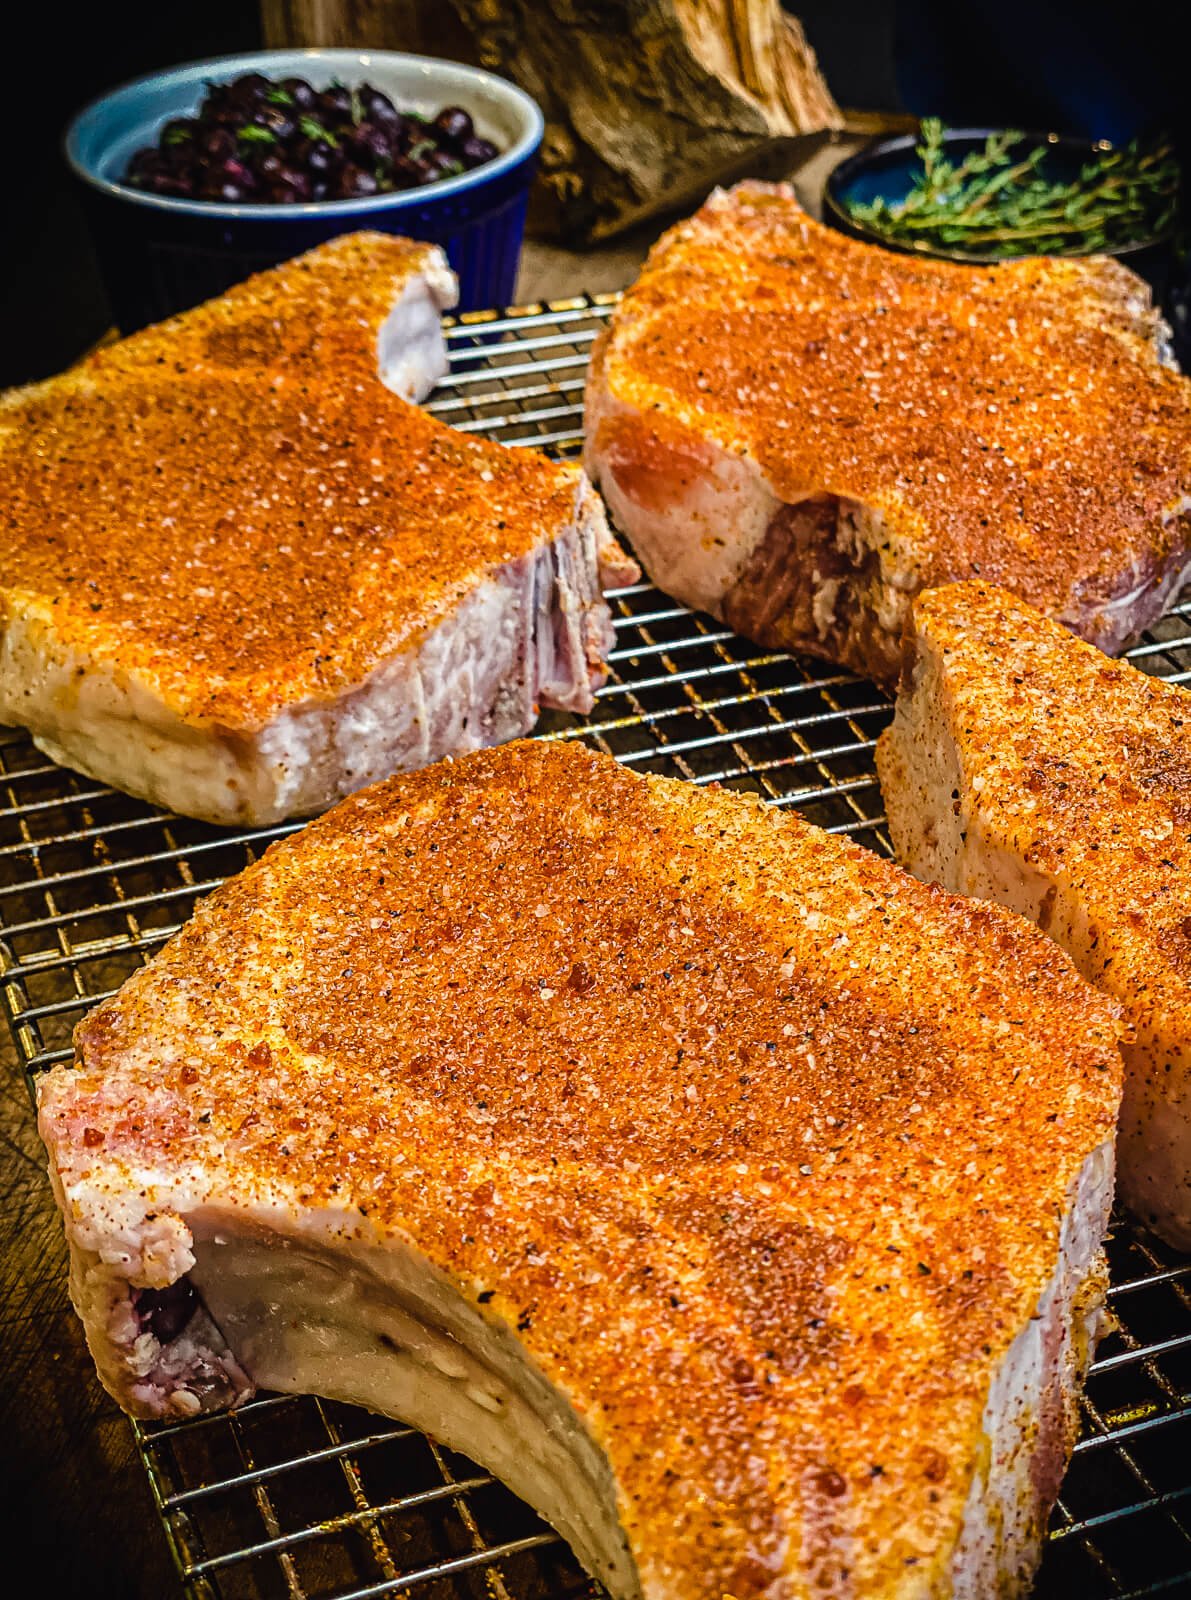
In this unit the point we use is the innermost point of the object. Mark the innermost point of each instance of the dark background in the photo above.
(1099, 67)
(51, 303)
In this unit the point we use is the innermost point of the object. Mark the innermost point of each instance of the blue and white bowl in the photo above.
(160, 255)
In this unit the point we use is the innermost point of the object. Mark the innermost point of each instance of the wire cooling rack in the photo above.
(302, 1499)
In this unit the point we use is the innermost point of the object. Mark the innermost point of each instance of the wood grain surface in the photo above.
(77, 1512)
(646, 105)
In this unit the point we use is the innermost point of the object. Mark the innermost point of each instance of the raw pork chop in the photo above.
(733, 1196)
(241, 578)
(1025, 768)
(799, 431)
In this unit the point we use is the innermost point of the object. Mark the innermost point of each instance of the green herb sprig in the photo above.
(254, 135)
(994, 204)
(313, 129)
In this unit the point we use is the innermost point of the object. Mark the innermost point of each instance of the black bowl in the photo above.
(888, 168)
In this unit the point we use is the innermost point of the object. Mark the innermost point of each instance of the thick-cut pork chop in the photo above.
(1024, 767)
(733, 1196)
(799, 432)
(241, 578)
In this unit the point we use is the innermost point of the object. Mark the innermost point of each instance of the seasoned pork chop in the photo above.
(241, 578)
(1024, 767)
(733, 1196)
(799, 432)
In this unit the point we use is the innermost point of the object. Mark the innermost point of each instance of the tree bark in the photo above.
(423, 27)
(647, 102)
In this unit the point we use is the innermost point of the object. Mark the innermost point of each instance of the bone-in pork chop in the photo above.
(1024, 767)
(798, 432)
(240, 577)
(732, 1195)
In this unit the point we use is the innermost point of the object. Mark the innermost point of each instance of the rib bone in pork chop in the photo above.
(733, 1196)
(241, 578)
(799, 431)
(1023, 767)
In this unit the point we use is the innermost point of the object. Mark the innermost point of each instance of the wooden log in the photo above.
(647, 102)
(425, 27)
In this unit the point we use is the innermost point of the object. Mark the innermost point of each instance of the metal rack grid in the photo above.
(308, 1500)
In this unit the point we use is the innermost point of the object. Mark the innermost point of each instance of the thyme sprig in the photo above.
(996, 202)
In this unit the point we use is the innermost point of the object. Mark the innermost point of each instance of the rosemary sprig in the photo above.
(993, 203)
(313, 129)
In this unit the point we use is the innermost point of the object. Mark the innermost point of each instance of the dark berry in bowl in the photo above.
(371, 143)
(335, 104)
(220, 112)
(286, 143)
(301, 95)
(378, 107)
(354, 183)
(279, 120)
(217, 144)
(269, 165)
(453, 124)
(297, 182)
(215, 186)
(404, 173)
(249, 90)
(239, 173)
(315, 156)
(441, 164)
(475, 152)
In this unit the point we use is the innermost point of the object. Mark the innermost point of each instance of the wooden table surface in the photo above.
(74, 1502)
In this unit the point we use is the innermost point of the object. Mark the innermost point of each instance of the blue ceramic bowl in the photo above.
(159, 255)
